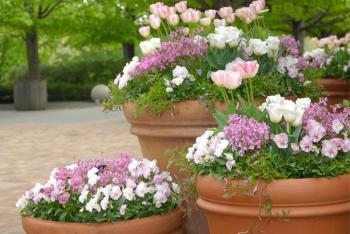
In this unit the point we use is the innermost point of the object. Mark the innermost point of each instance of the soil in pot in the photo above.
(300, 206)
(162, 224)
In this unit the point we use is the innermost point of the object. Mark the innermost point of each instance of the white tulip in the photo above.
(303, 102)
(258, 46)
(231, 34)
(273, 44)
(299, 112)
(289, 108)
(148, 47)
(219, 22)
(216, 40)
(275, 99)
(275, 112)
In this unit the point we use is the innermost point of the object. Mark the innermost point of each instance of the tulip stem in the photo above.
(247, 91)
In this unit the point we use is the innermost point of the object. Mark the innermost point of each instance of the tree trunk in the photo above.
(129, 51)
(33, 54)
(299, 33)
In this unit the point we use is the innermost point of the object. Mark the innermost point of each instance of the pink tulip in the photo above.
(228, 79)
(246, 14)
(154, 21)
(164, 12)
(173, 19)
(205, 21)
(144, 31)
(225, 11)
(154, 8)
(196, 15)
(257, 6)
(248, 69)
(186, 17)
(230, 18)
(181, 7)
(210, 14)
(219, 22)
(172, 10)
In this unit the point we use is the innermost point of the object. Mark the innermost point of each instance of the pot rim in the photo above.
(130, 221)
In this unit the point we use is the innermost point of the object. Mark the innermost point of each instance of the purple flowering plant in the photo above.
(183, 46)
(102, 190)
(279, 139)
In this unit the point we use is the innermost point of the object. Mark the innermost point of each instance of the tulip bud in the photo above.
(173, 19)
(219, 22)
(228, 79)
(154, 21)
(186, 17)
(164, 12)
(230, 18)
(205, 21)
(210, 14)
(289, 108)
(181, 7)
(225, 11)
(154, 8)
(144, 31)
(275, 112)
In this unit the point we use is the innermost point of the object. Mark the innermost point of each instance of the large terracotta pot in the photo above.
(170, 130)
(162, 224)
(336, 90)
(319, 206)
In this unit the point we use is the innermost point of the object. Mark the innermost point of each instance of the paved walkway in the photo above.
(32, 143)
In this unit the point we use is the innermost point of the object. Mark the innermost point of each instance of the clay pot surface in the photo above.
(172, 130)
(162, 224)
(336, 90)
(303, 206)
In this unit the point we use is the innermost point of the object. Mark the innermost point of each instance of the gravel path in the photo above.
(32, 143)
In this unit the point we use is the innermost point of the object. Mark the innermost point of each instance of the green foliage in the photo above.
(338, 67)
(71, 212)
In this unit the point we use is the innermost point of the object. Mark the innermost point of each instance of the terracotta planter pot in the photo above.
(336, 90)
(157, 134)
(319, 206)
(163, 224)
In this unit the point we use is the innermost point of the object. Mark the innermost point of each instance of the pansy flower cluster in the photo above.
(281, 135)
(102, 190)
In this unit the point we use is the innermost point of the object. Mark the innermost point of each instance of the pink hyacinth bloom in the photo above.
(306, 144)
(228, 79)
(144, 31)
(329, 149)
(173, 19)
(281, 140)
(181, 7)
(225, 11)
(248, 69)
(154, 21)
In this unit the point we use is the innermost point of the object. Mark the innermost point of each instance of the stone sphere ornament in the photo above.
(100, 93)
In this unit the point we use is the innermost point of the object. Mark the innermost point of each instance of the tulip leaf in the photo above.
(221, 118)
(296, 133)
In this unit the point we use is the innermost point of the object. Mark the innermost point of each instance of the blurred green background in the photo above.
(76, 44)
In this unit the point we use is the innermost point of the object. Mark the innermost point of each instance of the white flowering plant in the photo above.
(102, 190)
(331, 57)
(186, 53)
(280, 139)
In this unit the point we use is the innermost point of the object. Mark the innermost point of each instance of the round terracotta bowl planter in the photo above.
(336, 90)
(169, 130)
(319, 206)
(162, 224)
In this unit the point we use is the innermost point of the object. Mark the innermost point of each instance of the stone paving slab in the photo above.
(32, 144)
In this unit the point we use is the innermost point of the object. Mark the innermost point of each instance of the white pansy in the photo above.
(115, 192)
(104, 203)
(177, 81)
(175, 187)
(169, 90)
(123, 78)
(180, 72)
(337, 126)
(84, 193)
(221, 147)
(22, 202)
(128, 193)
(258, 46)
(141, 189)
(71, 166)
(92, 176)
